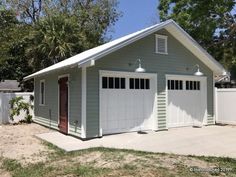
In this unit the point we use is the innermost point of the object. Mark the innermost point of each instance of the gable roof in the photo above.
(107, 48)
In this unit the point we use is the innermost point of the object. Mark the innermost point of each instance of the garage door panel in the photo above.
(124, 110)
(187, 106)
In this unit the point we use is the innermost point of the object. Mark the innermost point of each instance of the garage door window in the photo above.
(192, 85)
(175, 85)
(113, 83)
(139, 83)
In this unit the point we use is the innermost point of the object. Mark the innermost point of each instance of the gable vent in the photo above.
(161, 44)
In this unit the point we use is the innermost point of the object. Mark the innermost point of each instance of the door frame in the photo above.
(192, 77)
(127, 74)
(58, 100)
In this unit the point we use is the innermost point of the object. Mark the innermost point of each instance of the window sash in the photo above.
(42, 93)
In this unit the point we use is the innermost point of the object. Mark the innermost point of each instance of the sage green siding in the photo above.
(48, 114)
(178, 61)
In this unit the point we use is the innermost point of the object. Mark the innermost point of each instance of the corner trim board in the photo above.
(84, 102)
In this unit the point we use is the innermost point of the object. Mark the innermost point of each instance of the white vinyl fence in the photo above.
(226, 106)
(5, 106)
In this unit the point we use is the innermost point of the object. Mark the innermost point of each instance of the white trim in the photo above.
(34, 97)
(100, 102)
(166, 77)
(84, 102)
(158, 36)
(58, 97)
(40, 95)
(226, 90)
(87, 64)
(156, 102)
(214, 99)
(179, 76)
(133, 75)
(215, 104)
(125, 73)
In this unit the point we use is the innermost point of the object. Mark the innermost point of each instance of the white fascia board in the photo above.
(41, 72)
(195, 48)
(86, 64)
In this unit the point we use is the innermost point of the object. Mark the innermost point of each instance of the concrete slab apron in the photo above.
(207, 141)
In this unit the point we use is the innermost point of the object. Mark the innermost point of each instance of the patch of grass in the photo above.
(54, 148)
(129, 167)
(87, 171)
(33, 170)
(10, 165)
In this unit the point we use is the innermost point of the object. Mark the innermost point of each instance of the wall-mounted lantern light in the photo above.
(198, 72)
(139, 69)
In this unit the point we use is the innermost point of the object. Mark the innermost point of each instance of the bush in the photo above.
(17, 105)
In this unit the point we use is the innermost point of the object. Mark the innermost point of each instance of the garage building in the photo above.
(155, 79)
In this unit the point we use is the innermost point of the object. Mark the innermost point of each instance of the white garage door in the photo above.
(187, 101)
(127, 101)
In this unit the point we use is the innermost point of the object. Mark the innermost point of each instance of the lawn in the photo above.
(112, 162)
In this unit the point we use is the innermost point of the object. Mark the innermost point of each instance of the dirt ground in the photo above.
(18, 142)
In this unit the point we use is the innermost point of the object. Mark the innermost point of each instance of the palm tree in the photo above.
(54, 39)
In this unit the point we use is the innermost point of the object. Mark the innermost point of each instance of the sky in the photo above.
(137, 14)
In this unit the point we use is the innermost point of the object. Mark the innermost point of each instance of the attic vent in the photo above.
(161, 44)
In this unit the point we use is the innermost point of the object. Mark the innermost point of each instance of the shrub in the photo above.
(17, 105)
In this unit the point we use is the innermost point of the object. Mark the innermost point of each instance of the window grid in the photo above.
(193, 85)
(113, 83)
(175, 84)
(120, 83)
(139, 83)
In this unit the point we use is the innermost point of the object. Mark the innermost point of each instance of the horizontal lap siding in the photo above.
(75, 101)
(51, 93)
(178, 61)
(42, 113)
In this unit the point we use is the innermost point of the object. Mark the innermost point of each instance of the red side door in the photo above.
(63, 105)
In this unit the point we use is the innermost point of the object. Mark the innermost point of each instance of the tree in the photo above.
(39, 33)
(211, 23)
(13, 62)
(8, 22)
(28, 11)
(69, 29)
(52, 40)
